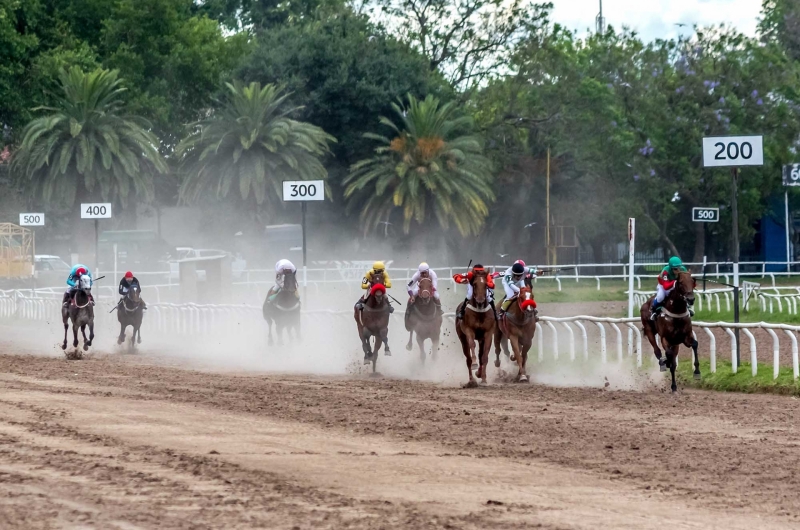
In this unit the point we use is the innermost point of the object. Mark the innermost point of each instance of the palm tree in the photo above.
(86, 143)
(251, 143)
(431, 165)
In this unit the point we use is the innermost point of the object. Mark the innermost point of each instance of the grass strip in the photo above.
(743, 381)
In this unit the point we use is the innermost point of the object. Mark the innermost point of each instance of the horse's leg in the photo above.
(91, 333)
(410, 346)
(65, 319)
(498, 338)
(484, 346)
(385, 339)
(139, 332)
(691, 342)
(672, 357)
(515, 346)
(467, 339)
(421, 344)
(375, 349)
(663, 362)
(74, 334)
(121, 337)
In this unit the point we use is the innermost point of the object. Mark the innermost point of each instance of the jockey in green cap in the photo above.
(666, 282)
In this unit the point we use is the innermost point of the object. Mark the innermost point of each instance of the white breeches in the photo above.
(661, 293)
(510, 292)
(470, 292)
(414, 291)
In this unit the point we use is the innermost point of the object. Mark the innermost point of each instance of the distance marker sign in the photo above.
(303, 190)
(733, 151)
(99, 210)
(31, 219)
(705, 215)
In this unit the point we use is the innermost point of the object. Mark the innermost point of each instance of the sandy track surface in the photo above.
(126, 442)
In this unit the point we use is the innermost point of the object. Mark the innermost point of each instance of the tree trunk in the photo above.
(699, 242)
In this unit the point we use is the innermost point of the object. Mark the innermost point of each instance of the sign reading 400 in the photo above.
(99, 210)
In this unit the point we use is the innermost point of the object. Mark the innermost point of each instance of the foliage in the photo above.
(742, 381)
(86, 145)
(431, 165)
(251, 143)
(467, 40)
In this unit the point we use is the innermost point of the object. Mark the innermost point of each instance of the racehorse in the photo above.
(129, 313)
(423, 317)
(517, 326)
(478, 324)
(373, 321)
(284, 310)
(81, 312)
(673, 325)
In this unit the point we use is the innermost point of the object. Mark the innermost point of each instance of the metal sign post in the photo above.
(96, 211)
(734, 152)
(303, 191)
(791, 177)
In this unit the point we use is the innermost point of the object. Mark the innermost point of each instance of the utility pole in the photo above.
(600, 22)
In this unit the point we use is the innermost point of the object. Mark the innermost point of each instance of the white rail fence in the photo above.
(555, 337)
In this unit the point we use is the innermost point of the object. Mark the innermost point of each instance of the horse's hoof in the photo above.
(474, 366)
(409, 347)
(85, 347)
(367, 361)
(120, 341)
(471, 384)
(483, 382)
(387, 353)
(523, 379)
(497, 363)
(139, 341)
(697, 377)
(513, 358)
(64, 346)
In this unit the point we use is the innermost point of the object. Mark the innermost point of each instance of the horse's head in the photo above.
(289, 281)
(378, 292)
(480, 285)
(85, 283)
(378, 279)
(425, 289)
(134, 294)
(525, 300)
(685, 285)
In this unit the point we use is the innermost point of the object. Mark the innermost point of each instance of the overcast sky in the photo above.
(654, 19)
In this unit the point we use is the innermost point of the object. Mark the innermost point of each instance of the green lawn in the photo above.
(742, 381)
(753, 315)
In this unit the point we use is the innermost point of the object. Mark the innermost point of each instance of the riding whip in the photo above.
(395, 299)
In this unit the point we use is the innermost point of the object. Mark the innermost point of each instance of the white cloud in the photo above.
(654, 19)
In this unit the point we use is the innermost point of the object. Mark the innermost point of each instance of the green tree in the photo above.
(432, 166)
(86, 146)
(251, 144)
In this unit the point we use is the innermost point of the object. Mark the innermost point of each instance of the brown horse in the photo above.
(424, 318)
(478, 325)
(517, 326)
(673, 325)
(373, 321)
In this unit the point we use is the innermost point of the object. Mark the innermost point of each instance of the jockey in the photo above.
(514, 279)
(128, 281)
(424, 271)
(666, 282)
(467, 279)
(72, 281)
(282, 268)
(378, 268)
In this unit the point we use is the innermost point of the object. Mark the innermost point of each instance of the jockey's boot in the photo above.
(391, 308)
(360, 304)
(691, 310)
(497, 315)
(655, 309)
(66, 299)
(461, 309)
(91, 299)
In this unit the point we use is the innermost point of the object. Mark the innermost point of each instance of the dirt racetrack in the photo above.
(134, 442)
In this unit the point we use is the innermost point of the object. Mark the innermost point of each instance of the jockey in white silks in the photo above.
(283, 267)
(514, 280)
(424, 271)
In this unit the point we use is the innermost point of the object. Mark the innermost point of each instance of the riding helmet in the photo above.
(518, 268)
(129, 274)
(423, 267)
(675, 262)
(80, 272)
(520, 262)
(378, 266)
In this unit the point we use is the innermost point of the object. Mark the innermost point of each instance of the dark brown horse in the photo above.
(283, 310)
(129, 313)
(424, 318)
(81, 312)
(673, 325)
(478, 325)
(373, 322)
(517, 326)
